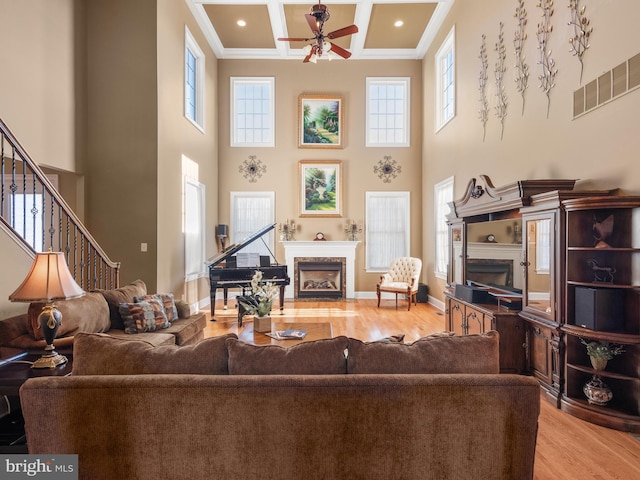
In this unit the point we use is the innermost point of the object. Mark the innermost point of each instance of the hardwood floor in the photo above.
(567, 447)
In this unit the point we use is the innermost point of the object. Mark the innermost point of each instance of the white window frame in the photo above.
(442, 195)
(194, 227)
(445, 82)
(378, 115)
(235, 111)
(403, 231)
(235, 237)
(190, 45)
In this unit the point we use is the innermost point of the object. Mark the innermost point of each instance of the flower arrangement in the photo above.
(601, 352)
(262, 294)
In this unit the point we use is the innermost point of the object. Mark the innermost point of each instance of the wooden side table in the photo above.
(14, 371)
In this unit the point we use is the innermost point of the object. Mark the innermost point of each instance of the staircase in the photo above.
(32, 209)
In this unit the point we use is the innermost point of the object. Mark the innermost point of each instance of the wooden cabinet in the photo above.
(543, 353)
(465, 318)
(602, 288)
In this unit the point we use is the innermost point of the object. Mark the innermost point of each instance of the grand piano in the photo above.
(228, 270)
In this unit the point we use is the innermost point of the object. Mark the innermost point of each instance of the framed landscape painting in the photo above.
(320, 121)
(320, 188)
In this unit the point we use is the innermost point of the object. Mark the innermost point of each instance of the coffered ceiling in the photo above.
(267, 20)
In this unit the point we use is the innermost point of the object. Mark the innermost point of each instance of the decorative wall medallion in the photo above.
(581, 32)
(519, 37)
(548, 75)
(387, 169)
(484, 103)
(252, 169)
(499, 70)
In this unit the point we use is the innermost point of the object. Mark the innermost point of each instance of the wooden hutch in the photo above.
(549, 267)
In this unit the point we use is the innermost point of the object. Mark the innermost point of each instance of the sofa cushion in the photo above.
(120, 295)
(101, 354)
(448, 354)
(185, 329)
(142, 317)
(166, 299)
(320, 357)
(89, 313)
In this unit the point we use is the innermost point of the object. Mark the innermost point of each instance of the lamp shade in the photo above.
(49, 279)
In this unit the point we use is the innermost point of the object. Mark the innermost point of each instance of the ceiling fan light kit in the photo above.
(316, 19)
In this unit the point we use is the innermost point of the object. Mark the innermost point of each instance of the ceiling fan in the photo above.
(315, 18)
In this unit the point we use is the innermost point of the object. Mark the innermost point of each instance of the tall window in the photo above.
(194, 234)
(446, 81)
(250, 211)
(443, 194)
(387, 115)
(193, 81)
(387, 228)
(252, 111)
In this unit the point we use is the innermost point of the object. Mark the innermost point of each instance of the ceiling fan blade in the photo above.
(311, 20)
(340, 51)
(341, 32)
(295, 39)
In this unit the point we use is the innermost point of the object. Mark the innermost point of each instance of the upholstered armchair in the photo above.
(403, 277)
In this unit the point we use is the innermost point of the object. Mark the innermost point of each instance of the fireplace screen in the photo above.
(319, 279)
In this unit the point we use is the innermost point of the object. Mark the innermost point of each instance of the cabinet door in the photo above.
(538, 297)
(457, 317)
(475, 321)
(539, 353)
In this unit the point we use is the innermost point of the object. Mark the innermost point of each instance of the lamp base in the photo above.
(49, 360)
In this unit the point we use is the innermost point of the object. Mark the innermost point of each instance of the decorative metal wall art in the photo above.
(387, 169)
(548, 75)
(484, 103)
(519, 37)
(252, 169)
(499, 71)
(581, 32)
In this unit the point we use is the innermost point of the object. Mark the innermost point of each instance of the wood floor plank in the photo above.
(567, 448)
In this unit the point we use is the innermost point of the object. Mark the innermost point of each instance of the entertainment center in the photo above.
(576, 282)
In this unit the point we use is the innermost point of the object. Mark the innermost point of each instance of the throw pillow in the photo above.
(320, 357)
(142, 317)
(89, 313)
(399, 338)
(166, 299)
(450, 354)
(120, 295)
(101, 354)
(184, 310)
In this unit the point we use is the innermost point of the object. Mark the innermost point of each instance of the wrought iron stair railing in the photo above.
(33, 209)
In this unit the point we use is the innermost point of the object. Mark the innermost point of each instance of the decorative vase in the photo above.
(598, 363)
(262, 323)
(597, 392)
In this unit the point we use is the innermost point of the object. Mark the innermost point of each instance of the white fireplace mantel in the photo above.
(342, 249)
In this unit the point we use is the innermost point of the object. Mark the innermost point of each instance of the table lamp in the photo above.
(221, 234)
(48, 280)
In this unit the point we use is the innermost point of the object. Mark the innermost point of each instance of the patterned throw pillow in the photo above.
(166, 299)
(144, 316)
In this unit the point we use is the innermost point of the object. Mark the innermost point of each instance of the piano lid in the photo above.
(231, 249)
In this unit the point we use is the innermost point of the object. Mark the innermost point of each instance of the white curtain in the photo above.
(388, 229)
(251, 211)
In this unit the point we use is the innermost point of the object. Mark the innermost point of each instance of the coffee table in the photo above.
(315, 331)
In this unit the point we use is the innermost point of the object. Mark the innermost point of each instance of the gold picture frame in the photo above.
(320, 183)
(320, 121)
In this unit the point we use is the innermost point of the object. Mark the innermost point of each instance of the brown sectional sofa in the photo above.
(96, 312)
(330, 409)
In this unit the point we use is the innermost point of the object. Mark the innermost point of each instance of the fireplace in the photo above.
(317, 278)
(490, 271)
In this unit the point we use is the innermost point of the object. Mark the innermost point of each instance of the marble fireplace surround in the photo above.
(321, 251)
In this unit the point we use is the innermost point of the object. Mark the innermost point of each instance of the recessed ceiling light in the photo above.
(398, 23)
(241, 23)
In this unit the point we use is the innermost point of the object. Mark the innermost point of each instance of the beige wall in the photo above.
(600, 148)
(177, 137)
(346, 78)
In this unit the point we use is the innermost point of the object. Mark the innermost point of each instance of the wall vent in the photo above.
(607, 87)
